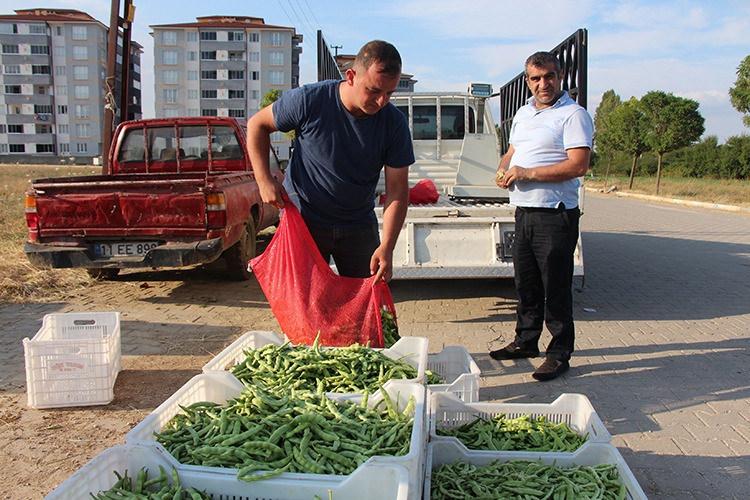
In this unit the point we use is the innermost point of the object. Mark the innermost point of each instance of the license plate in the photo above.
(125, 249)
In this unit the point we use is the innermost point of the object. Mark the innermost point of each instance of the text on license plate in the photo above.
(123, 249)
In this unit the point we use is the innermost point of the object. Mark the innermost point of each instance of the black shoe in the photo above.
(513, 351)
(550, 369)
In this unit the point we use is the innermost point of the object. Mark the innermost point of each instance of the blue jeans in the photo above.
(350, 246)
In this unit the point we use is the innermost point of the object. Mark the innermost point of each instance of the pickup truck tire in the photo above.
(102, 274)
(237, 256)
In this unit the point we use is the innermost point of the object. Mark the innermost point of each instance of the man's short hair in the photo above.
(541, 60)
(378, 51)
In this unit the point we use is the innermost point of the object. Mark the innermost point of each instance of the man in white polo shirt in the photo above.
(550, 148)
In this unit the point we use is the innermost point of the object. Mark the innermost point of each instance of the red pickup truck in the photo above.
(176, 192)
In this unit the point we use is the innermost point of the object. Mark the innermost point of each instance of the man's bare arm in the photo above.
(394, 213)
(259, 129)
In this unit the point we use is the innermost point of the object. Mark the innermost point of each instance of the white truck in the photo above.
(469, 232)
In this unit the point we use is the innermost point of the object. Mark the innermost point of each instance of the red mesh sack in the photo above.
(423, 192)
(308, 298)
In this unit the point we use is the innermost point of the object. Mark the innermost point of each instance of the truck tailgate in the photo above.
(140, 206)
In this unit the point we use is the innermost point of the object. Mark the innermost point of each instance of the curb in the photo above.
(676, 201)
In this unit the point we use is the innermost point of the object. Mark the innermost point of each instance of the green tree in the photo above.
(740, 93)
(270, 97)
(604, 143)
(627, 124)
(671, 123)
(735, 157)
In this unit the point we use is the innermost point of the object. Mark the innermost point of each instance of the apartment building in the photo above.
(223, 66)
(53, 70)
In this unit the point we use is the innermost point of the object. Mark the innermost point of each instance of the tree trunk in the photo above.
(632, 171)
(606, 172)
(658, 172)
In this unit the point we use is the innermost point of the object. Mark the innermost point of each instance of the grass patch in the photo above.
(19, 280)
(722, 191)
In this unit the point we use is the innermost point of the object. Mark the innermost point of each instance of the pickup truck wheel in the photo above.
(101, 274)
(242, 251)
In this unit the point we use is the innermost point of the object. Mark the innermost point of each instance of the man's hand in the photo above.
(381, 264)
(514, 174)
(271, 192)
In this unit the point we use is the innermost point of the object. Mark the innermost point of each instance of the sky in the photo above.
(689, 48)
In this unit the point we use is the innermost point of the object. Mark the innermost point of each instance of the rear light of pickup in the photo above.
(216, 210)
(32, 218)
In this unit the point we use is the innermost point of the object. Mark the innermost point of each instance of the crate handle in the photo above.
(84, 322)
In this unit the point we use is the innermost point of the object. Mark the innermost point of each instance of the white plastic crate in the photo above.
(412, 350)
(575, 410)
(459, 372)
(446, 452)
(73, 360)
(371, 483)
(219, 387)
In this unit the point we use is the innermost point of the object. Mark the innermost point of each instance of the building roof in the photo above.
(245, 22)
(41, 14)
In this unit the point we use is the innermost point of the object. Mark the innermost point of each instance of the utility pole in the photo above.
(336, 49)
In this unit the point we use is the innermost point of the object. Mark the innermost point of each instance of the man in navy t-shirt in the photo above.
(346, 132)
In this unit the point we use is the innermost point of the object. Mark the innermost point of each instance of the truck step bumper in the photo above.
(167, 255)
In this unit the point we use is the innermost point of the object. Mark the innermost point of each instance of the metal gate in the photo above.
(327, 67)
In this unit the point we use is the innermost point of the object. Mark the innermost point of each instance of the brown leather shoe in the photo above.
(513, 351)
(550, 369)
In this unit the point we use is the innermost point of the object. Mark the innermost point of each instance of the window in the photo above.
(42, 129)
(133, 148)
(209, 112)
(81, 91)
(208, 55)
(276, 77)
(59, 70)
(169, 38)
(14, 109)
(15, 129)
(17, 148)
(236, 74)
(194, 142)
(452, 122)
(208, 94)
(64, 148)
(3, 128)
(82, 147)
(80, 52)
(276, 39)
(42, 109)
(83, 130)
(208, 75)
(208, 35)
(61, 90)
(224, 144)
(254, 37)
(37, 29)
(62, 109)
(39, 49)
(58, 30)
(169, 57)
(79, 33)
(255, 94)
(192, 36)
(10, 48)
(3, 148)
(254, 56)
(40, 69)
(255, 75)
(192, 75)
(45, 148)
(40, 89)
(237, 113)
(80, 72)
(83, 111)
(192, 93)
(12, 69)
(236, 55)
(424, 123)
(171, 112)
(236, 36)
(12, 89)
(169, 76)
(170, 96)
(192, 55)
(59, 52)
(162, 144)
(276, 58)
(236, 94)
(63, 128)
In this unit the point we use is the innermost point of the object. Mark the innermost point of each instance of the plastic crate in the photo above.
(412, 350)
(371, 483)
(218, 387)
(73, 360)
(459, 371)
(446, 452)
(575, 410)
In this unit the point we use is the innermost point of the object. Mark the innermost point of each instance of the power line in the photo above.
(312, 13)
(307, 20)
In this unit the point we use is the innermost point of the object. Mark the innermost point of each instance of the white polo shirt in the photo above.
(542, 137)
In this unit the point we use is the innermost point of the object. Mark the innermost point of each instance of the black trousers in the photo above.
(350, 246)
(543, 248)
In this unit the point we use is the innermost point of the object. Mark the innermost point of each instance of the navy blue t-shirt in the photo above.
(338, 158)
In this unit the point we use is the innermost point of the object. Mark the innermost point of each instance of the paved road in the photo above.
(663, 325)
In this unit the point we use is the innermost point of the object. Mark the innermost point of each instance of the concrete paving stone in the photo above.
(659, 446)
(721, 432)
(678, 418)
(715, 448)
